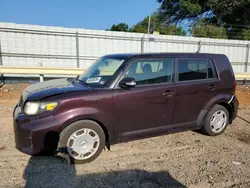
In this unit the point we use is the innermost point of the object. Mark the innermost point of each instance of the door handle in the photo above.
(211, 87)
(168, 93)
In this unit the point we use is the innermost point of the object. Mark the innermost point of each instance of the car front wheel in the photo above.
(81, 142)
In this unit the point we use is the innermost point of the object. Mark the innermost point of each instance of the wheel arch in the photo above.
(221, 100)
(105, 130)
(103, 127)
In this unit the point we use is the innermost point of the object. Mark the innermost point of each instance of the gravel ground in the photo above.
(188, 159)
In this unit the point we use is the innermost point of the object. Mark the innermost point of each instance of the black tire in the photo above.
(69, 130)
(207, 128)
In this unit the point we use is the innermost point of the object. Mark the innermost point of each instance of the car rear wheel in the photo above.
(216, 121)
(81, 142)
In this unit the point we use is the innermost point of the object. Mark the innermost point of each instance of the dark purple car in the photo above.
(123, 97)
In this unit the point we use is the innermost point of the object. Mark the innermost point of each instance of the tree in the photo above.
(233, 15)
(172, 30)
(246, 34)
(119, 27)
(228, 11)
(209, 31)
(157, 25)
(203, 29)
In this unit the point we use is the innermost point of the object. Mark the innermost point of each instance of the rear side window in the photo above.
(195, 69)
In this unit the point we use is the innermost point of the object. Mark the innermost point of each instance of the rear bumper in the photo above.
(34, 134)
(234, 103)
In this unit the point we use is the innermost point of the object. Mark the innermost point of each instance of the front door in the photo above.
(147, 108)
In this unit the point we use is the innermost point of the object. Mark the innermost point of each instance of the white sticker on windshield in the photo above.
(93, 80)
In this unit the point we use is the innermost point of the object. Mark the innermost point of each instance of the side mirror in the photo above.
(127, 82)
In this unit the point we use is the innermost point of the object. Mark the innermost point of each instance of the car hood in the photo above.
(49, 88)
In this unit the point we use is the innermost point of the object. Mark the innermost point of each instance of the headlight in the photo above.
(32, 108)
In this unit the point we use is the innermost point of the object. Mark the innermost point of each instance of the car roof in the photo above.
(148, 55)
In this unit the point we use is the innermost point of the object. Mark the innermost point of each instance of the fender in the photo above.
(70, 116)
(215, 100)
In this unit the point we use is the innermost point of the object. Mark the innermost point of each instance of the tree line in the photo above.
(156, 25)
(225, 19)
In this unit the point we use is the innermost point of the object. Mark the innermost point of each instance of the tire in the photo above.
(89, 131)
(210, 128)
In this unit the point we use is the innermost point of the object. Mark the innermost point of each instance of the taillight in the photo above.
(235, 86)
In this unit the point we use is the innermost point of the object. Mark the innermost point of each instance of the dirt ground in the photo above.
(188, 159)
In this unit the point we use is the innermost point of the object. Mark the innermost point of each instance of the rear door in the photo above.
(196, 82)
(147, 109)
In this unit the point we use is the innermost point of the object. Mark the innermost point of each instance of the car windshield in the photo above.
(101, 71)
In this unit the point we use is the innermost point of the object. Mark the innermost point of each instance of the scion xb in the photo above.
(123, 97)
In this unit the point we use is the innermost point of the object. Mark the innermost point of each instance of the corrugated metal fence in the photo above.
(31, 45)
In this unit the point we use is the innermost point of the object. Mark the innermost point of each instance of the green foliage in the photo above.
(172, 30)
(178, 10)
(209, 31)
(228, 11)
(139, 28)
(233, 15)
(245, 34)
(119, 27)
(157, 25)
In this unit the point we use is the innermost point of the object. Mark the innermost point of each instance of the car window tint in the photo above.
(151, 71)
(189, 69)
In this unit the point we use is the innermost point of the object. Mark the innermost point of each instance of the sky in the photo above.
(88, 14)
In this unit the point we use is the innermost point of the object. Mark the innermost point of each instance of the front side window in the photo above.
(151, 71)
(195, 69)
(101, 71)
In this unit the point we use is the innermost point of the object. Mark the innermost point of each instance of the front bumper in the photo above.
(32, 132)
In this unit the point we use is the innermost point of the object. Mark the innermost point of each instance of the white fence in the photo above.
(32, 45)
